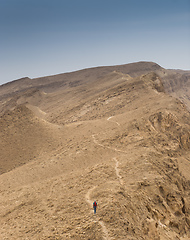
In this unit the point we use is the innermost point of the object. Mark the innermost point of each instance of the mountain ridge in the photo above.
(120, 137)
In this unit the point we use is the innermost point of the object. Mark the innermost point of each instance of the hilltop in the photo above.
(119, 135)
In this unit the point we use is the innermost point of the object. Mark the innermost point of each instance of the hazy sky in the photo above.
(47, 37)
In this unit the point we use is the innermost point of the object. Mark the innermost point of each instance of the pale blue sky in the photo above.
(47, 37)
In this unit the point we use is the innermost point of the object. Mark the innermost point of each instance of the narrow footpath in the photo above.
(90, 202)
(119, 177)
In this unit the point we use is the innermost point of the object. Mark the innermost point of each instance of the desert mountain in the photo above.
(119, 135)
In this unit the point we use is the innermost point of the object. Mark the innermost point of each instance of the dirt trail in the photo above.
(115, 149)
(113, 121)
(90, 202)
(105, 231)
(117, 171)
(101, 145)
(87, 196)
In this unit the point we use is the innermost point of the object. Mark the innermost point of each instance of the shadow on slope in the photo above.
(23, 137)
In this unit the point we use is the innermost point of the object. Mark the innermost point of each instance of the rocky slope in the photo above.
(118, 135)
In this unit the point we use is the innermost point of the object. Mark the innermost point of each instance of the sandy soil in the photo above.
(118, 135)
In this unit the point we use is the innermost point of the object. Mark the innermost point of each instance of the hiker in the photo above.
(94, 206)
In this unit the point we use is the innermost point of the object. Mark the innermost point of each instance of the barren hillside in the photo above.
(119, 135)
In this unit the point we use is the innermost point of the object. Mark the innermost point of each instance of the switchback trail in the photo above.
(115, 149)
(101, 145)
(87, 196)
